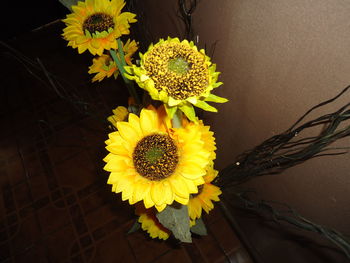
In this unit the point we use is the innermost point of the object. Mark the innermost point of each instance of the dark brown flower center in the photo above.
(177, 68)
(155, 157)
(108, 61)
(98, 22)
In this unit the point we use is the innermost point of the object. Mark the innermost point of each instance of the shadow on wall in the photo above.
(278, 59)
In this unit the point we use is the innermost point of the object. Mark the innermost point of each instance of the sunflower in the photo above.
(105, 66)
(150, 223)
(178, 74)
(151, 161)
(95, 25)
(206, 194)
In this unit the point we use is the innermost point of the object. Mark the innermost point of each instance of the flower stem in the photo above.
(120, 61)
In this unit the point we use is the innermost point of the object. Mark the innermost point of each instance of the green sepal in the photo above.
(214, 98)
(136, 226)
(199, 228)
(205, 106)
(176, 219)
(128, 69)
(216, 84)
(189, 112)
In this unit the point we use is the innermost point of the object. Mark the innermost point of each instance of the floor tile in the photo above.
(114, 248)
(59, 244)
(146, 249)
(178, 254)
(225, 236)
(52, 218)
(210, 249)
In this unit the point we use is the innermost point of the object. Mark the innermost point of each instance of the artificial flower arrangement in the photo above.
(161, 155)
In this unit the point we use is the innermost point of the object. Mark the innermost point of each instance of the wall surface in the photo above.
(278, 59)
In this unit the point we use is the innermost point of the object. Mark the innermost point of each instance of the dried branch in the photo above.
(288, 215)
(186, 10)
(287, 149)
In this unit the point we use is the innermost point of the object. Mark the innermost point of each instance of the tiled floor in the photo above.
(55, 204)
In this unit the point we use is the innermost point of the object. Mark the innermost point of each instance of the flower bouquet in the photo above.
(161, 155)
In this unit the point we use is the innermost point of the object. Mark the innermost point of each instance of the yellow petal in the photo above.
(157, 193)
(192, 187)
(127, 131)
(160, 208)
(147, 200)
(179, 187)
(168, 193)
(115, 165)
(148, 121)
(181, 200)
(140, 191)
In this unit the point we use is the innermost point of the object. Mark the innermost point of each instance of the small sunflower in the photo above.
(178, 74)
(119, 114)
(105, 66)
(150, 223)
(151, 161)
(95, 25)
(206, 194)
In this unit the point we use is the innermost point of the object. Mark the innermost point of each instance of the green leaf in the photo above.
(199, 228)
(136, 226)
(176, 219)
(69, 3)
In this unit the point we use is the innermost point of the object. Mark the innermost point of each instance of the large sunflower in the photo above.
(95, 25)
(150, 223)
(105, 66)
(178, 74)
(207, 193)
(152, 162)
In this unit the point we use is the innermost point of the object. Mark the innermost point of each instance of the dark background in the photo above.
(24, 16)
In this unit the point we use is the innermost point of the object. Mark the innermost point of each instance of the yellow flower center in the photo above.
(155, 157)
(98, 22)
(178, 69)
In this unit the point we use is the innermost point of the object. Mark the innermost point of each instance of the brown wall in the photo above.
(278, 59)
